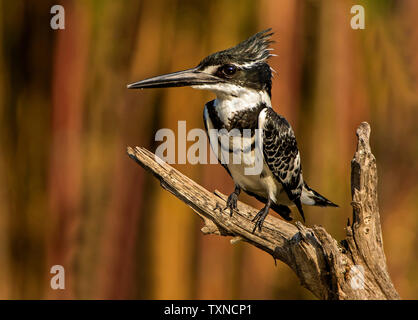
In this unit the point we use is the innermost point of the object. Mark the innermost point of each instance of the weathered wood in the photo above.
(354, 268)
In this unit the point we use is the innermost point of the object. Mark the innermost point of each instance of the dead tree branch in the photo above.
(354, 268)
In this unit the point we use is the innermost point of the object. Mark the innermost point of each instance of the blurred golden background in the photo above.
(69, 194)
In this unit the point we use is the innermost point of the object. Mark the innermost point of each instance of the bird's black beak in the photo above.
(190, 77)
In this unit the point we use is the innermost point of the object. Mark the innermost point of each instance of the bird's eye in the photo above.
(229, 70)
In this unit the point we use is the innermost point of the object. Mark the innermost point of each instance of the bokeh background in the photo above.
(70, 195)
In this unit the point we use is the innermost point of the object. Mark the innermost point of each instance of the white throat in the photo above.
(232, 98)
(227, 104)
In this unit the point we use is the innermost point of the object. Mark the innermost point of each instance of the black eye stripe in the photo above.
(227, 70)
(231, 69)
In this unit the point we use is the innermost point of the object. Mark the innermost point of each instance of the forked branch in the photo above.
(354, 268)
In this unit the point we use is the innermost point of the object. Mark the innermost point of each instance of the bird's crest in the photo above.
(255, 49)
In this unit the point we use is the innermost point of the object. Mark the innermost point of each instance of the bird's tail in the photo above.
(313, 198)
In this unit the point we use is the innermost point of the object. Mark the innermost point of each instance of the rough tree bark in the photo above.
(354, 268)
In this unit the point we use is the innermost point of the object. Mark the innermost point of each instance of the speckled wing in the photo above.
(281, 153)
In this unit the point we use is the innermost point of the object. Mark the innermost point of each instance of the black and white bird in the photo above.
(241, 78)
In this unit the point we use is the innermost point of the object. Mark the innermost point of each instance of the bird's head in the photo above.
(226, 72)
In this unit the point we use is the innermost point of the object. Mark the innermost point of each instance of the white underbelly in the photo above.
(264, 185)
(252, 183)
(242, 167)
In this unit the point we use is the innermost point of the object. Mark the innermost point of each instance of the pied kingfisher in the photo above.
(241, 79)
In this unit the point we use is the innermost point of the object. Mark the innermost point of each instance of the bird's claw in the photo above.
(231, 203)
(218, 207)
(258, 224)
(259, 219)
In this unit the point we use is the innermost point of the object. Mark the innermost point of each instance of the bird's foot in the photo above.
(218, 207)
(231, 203)
(259, 218)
